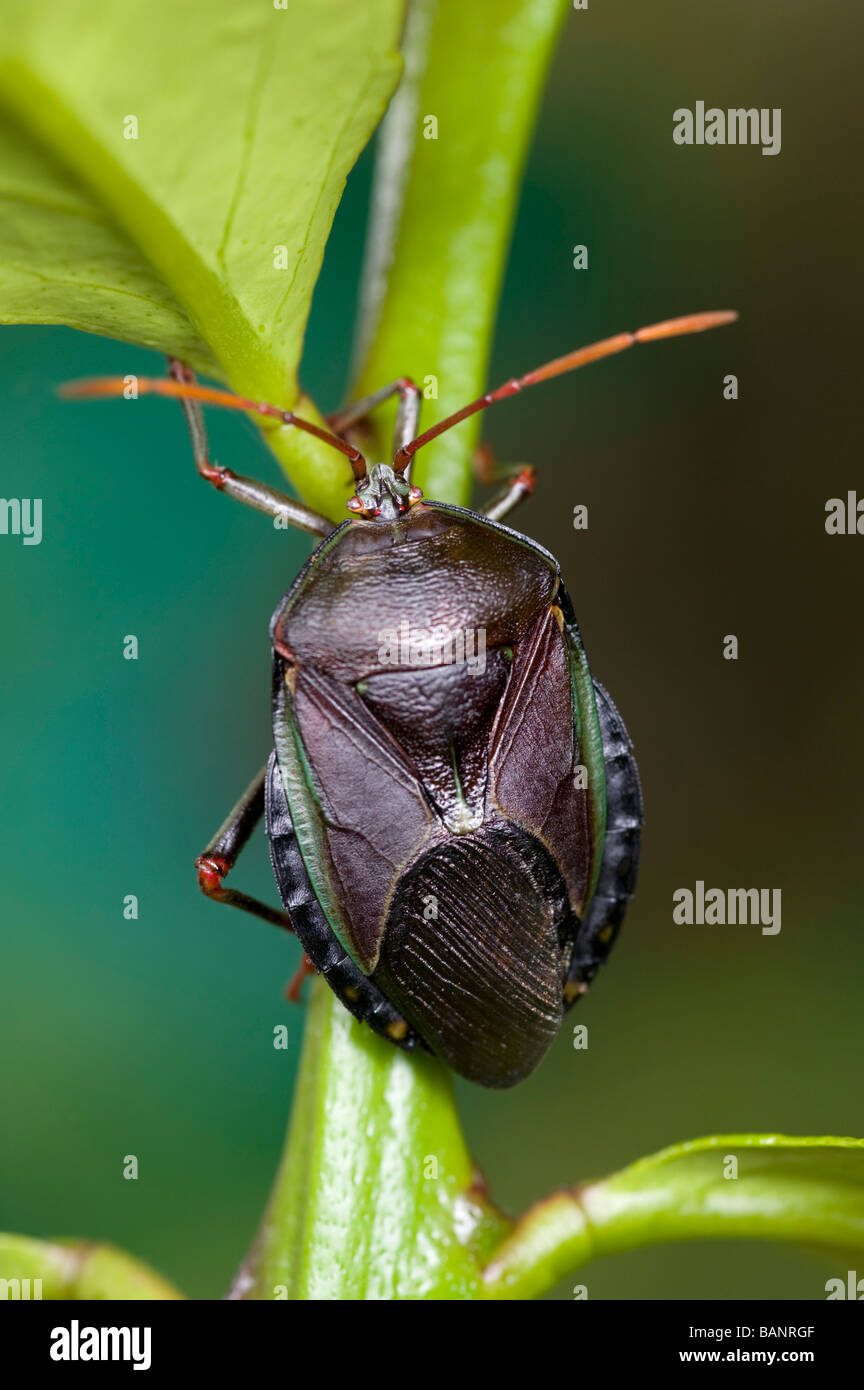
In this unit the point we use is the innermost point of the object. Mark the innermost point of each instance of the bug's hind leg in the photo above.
(618, 868)
(354, 989)
(224, 849)
(294, 987)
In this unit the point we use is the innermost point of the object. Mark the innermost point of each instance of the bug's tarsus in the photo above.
(668, 328)
(224, 849)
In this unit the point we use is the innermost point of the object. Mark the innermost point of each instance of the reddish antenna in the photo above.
(669, 328)
(102, 387)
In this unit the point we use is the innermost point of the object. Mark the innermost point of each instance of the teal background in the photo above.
(154, 1037)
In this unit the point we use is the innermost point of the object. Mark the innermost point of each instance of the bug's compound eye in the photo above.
(362, 505)
(365, 499)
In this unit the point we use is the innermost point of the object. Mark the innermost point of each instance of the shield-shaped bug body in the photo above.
(451, 819)
(452, 801)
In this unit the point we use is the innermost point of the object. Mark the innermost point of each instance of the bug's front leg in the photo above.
(517, 477)
(246, 490)
(407, 416)
(224, 849)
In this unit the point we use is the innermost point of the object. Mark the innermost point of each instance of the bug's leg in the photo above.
(518, 479)
(222, 853)
(520, 486)
(247, 490)
(181, 385)
(294, 987)
(407, 416)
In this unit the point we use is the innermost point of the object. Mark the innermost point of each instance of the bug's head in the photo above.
(383, 494)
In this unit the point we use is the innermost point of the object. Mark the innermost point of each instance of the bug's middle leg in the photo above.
(224, 849)
(518, 479)
(407, 416)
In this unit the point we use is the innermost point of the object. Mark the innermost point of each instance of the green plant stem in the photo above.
(750, 1186)
(376, 1196)
(443, 210)
(440, 226)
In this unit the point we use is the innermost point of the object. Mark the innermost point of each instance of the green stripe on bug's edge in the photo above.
(587, 727)
(306, 815)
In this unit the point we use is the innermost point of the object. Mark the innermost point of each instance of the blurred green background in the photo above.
(154, 1037)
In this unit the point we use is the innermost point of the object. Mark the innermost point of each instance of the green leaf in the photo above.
(247, 121)
(63, 261)
(808, 1190)
(77, 1270)
(443, 214)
